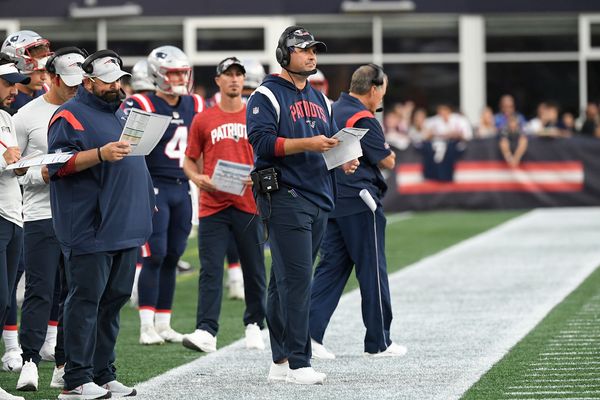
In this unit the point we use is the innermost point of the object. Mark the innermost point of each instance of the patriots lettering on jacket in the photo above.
(307, 109)
(233, 131)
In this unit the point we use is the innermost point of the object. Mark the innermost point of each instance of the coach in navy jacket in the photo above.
(289, 126)
(102, 204)
(355, 235)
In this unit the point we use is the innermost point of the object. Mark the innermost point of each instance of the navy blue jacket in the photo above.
(109, 206)
(292, 113)
(349, 111)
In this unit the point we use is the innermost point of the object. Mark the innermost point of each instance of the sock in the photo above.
(162, 318)
(234, 272)
(11, 339)
(51, 334)
(146, 317)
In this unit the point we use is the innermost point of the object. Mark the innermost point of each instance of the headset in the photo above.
(380, 75)
(282, 53)
(61, 52)
(87, 65)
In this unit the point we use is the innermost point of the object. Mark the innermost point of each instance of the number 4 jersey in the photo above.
(166, 160)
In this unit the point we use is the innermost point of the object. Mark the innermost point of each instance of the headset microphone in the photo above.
(368, 199)
(122, 94)
(302, 73)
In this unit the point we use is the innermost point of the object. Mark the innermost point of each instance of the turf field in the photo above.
(408, 240)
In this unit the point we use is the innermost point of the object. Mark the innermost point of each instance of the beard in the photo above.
(109, 96)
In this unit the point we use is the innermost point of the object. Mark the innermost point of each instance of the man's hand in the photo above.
(45, 174)
(321, 143)
(351, 166)
(12, 155)
(248, 181)
(204, 183)
(115, 151)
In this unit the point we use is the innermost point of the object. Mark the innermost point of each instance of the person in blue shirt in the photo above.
(102, 204)
(349, 241)
(289, 126)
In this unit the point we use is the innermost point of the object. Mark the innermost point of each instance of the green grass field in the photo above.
(408, 241)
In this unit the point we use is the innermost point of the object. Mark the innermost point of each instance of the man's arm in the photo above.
(193, 170)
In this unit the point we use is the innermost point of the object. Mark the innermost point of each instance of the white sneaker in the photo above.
(305, 376)
(87, 391)
(149, 336)
(47, 351)
(200, 340)
(28, 380)
(168, 334)
(57, 381)
(236, 289)
(12, 360)
(393, 350)
(320, 352)
(7, 396)
(117, 389)
(254, 339)
(278, 372)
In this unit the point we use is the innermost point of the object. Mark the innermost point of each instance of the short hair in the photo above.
(363, 78)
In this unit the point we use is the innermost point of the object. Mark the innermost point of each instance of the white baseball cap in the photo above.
(107, 69)
(68, 67)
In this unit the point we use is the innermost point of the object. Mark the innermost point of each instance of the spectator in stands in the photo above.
(592, 119)
(507, 108)
(447, 125)
(552, 125)
(536, 125)
(393, 135)
(487, 126)
(513, 142)
(568, 122)
(417, 125)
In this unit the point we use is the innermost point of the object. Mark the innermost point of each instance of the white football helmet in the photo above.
(165, 59)
(19, 45)
(255, 73)
(319, 82)
(140, 78)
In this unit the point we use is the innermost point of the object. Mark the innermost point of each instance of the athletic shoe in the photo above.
(200, 340)
(28, 380)
(236, 289)
(305, 376)
(47, 351)
(57, 381)
(320, 352)
(7, 396)
(12, 360)
(168, 334)
(278, 372)
(393, 350)
(117, 389)
(254, 339)
(149, 336)
(87, 391)
(183, 267)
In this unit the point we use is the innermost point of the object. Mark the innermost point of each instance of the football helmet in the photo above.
(19, 45)
(140, 79)
(255, 73)
(319, 82)
(166, 59)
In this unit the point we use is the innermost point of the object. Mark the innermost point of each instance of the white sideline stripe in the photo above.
(398, 217)
(500, 176)
(458, 312)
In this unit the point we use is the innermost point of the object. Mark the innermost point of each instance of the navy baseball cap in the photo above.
(302, 39)
(228, 63)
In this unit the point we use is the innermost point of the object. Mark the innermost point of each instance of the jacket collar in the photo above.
(90, 99)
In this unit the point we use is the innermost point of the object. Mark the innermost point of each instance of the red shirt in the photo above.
(219, 135)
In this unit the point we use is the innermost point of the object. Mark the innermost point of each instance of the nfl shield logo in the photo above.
(255, 110)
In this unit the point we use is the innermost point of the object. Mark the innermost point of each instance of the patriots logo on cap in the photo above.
(301, 32)
(111, 60)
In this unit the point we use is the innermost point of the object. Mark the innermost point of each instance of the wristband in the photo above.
(99, 155)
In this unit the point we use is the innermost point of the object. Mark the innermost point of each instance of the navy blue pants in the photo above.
(10, 322)
(213, 240)
(232, 254)
(171, 226)
(350, 241)
(43, 258)
(11, 241)
(59, 350)
(99, 285)
(296, 227)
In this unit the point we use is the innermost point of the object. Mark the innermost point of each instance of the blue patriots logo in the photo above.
(161, 55)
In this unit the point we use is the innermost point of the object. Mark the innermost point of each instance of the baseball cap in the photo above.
(107, 69)
(11, 74)
(68, 67)
(302, 39)
(227, 63)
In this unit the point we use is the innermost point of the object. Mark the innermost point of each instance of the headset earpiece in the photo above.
(380, 75)
(282, 53)
(87, 65)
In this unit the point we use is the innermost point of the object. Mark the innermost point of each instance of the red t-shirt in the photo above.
(219, 135)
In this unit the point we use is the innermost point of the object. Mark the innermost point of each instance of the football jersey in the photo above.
(219, 135)
(166, 160)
